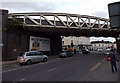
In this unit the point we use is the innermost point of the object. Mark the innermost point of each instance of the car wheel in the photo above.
(45, 59)
(29, 62)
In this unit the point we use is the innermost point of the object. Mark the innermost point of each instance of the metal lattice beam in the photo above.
(60, 20)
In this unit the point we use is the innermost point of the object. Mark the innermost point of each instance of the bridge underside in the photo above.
(74, 32)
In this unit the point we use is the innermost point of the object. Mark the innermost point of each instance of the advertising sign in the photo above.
(39, 44)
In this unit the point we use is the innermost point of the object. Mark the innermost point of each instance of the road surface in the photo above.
(60, 69)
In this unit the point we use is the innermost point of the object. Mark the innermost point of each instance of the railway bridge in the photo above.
(19, 27)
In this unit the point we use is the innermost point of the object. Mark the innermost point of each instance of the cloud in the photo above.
(102, 14)
(28, 6)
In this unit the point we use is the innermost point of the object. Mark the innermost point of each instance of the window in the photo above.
(39, 53)
(30, 54)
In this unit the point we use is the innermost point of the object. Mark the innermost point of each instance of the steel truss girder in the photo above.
(61, 20)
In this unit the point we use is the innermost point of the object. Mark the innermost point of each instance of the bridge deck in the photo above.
(66, 24)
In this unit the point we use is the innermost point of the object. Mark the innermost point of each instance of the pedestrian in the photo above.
(113, 59)
(74, 51)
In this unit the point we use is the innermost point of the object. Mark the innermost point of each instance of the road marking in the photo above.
(10, 70)
(51, 70)
(95, 67)
(24, 67)
(15, 69)
(50, 61)
(22, 80)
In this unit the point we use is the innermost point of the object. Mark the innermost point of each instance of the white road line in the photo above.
(15, 69)
(51, 70)
(22, 80)
(11, 70)
(50, 61)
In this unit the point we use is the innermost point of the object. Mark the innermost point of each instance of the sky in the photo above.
(98, 8)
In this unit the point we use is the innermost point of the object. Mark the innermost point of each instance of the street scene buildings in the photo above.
(45, 46)
(77, 42)
(103, 44)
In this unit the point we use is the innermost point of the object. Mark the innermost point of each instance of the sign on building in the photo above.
(39, 44)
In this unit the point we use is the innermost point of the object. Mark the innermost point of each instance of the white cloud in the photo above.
(102, 14)
(28, 6)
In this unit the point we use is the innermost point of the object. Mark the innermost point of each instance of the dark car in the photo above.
(66, 54)
(85, 51)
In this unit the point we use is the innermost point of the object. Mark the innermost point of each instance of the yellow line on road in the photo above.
(95, 67)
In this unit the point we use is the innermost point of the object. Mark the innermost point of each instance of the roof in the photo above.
(101, 42)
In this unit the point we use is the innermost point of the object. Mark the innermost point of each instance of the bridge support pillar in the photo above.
(3, 35)
(56, 45)
(118, 45)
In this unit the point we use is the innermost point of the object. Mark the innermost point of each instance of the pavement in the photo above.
(101, 71)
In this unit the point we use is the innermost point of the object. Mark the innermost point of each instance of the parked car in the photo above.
(95, 49)
(31, 57)
(85, 51)
(66, 54)
(108, 49)
(100, 49)
(106, 53)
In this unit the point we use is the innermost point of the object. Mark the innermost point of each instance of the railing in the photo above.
(61, 20)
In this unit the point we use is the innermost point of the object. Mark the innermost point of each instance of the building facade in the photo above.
(76, 42)
(102, 44)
